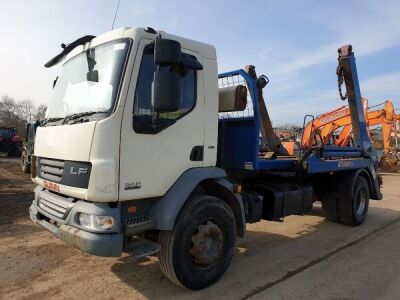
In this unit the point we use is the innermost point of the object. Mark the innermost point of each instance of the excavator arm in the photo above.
(327, 123)
(320, 121)
(385, 117)
(344, 137)
(328, 130)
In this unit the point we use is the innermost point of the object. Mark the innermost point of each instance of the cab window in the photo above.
(145, 119)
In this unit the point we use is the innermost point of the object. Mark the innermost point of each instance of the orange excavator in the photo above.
(329, 123)
(388, 120)
(385, 117)
(326, 124)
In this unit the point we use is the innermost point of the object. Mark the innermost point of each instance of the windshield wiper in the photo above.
(50, 120)
(82, 114)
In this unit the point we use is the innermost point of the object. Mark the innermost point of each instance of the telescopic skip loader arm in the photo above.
(266, 128)
(347, 73)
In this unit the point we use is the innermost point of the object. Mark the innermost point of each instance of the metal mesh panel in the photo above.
(235, 81)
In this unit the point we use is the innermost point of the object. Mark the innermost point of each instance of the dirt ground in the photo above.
(304, 257)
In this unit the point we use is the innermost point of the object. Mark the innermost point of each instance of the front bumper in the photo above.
(100, 244)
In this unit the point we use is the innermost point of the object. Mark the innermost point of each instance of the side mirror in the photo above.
(167, 92)
(191, 62)
(167, 52)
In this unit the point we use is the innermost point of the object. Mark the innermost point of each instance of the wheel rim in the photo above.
(206, 244)
(361, 202)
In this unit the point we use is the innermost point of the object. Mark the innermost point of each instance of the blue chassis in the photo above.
(240, 137)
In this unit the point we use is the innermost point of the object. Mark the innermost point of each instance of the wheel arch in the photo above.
(225, 190)
(340, 196)
(165, 210)
(374, 182)
(345, 183)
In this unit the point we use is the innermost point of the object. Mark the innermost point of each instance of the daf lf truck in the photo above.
(146, 149)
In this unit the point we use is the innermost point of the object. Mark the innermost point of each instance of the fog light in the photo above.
(96, 222)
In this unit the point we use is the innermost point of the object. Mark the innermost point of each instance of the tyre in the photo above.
(353, 210)
(25, 165)
(329, 207)
(16, 150)
(328, 200)
(199, 249)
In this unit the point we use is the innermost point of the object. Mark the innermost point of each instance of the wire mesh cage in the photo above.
(235, 80)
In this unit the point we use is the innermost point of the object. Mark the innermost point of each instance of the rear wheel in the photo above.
(197, 252)
(25, 165)
(353, 211)
(328, 200)
(329, 207)
(350, 210)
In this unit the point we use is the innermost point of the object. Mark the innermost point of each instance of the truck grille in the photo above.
(54, 204)
(51, 169)
(64, 172)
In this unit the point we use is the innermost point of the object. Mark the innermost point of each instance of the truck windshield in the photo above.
(89, 82)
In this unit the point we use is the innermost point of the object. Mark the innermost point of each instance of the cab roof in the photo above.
(138, 33)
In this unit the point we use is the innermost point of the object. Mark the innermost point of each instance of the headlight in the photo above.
(96, 222)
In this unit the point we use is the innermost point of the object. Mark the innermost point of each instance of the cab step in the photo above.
(141, 247)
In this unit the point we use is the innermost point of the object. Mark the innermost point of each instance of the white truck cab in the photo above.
(128, 159)
(104, 156)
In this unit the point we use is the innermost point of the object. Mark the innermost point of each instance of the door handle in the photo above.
(197, 153)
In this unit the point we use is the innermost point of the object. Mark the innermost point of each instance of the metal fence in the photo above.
(236, 80)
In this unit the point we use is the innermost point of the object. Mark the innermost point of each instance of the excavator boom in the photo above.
(327, 123)
(385, 117)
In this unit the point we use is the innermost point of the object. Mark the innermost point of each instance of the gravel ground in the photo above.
(303, 257)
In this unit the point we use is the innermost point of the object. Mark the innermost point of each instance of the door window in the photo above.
(145, 119)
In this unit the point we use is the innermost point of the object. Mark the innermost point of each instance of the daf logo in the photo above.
(78, 171)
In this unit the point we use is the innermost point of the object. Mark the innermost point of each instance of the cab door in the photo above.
(156, 149)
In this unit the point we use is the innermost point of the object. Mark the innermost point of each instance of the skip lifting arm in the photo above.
(266, 125)
(347, 73)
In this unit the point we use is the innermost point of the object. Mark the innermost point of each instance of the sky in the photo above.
(294, 43)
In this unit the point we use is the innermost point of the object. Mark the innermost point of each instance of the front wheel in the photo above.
(197, 252)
